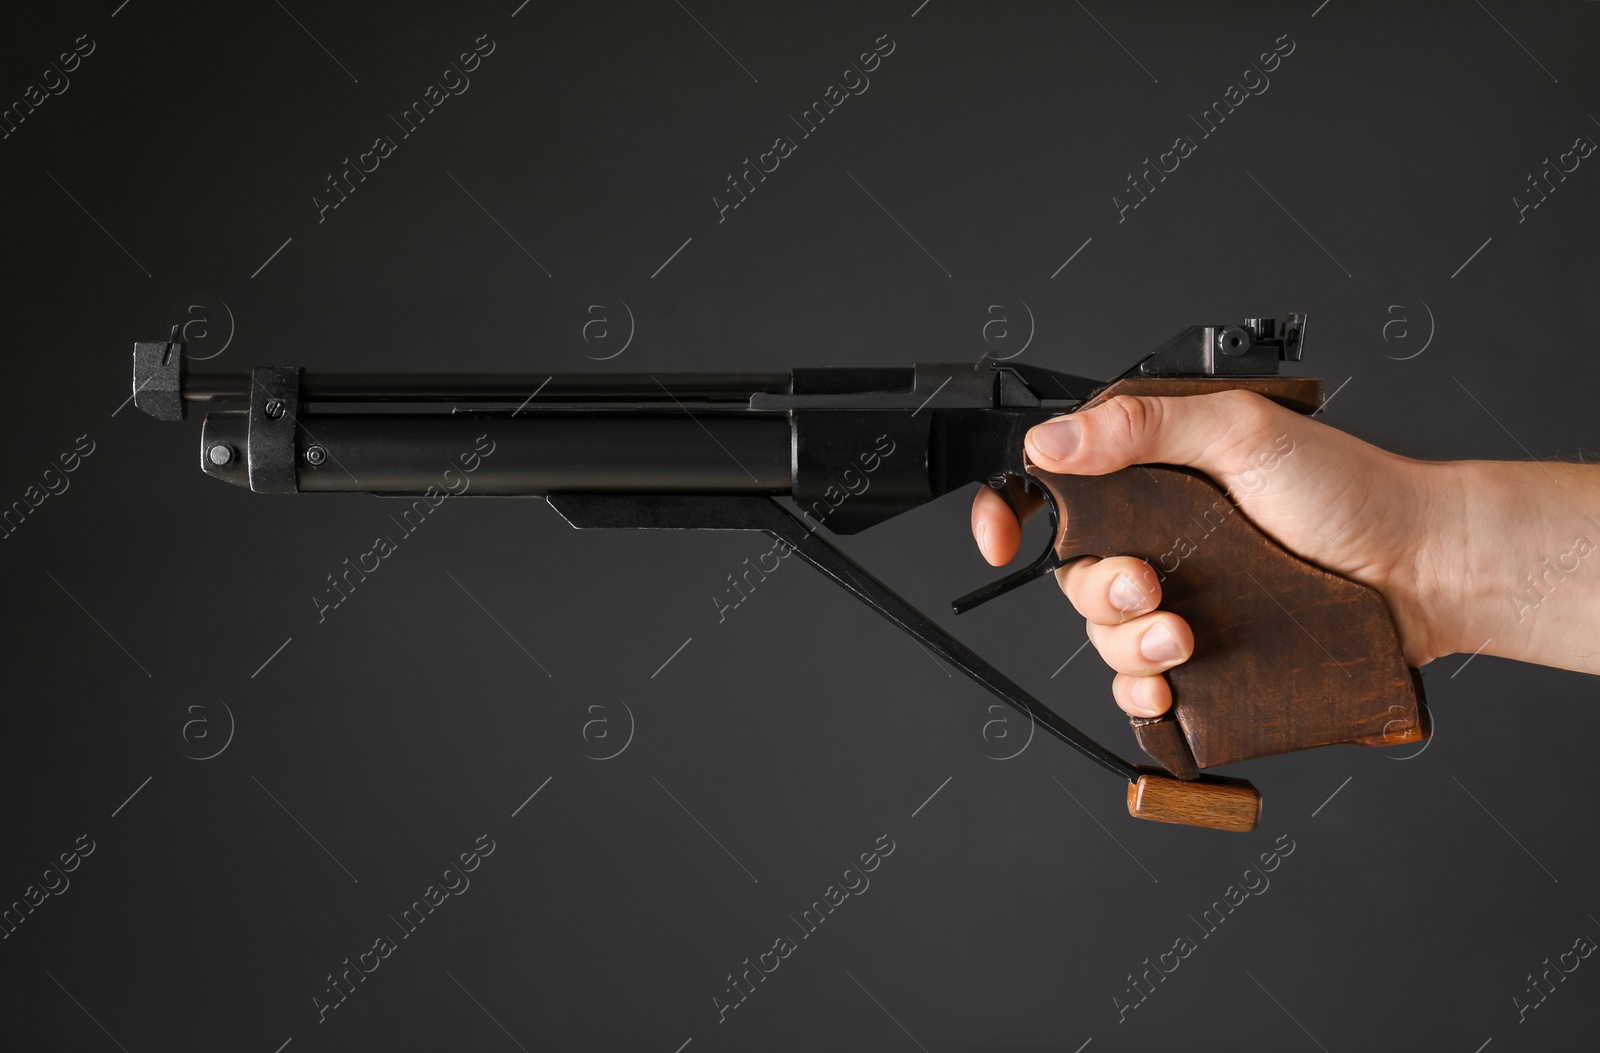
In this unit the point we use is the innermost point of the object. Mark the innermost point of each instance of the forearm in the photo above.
(1512, 564)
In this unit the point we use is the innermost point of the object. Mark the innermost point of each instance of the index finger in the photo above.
(995, 527)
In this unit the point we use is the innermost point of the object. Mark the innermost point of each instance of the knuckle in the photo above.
(1129, 417)
(1145, 588)
(1109, 643)
(1248, 419)
(1137, 568)
(1246, 411)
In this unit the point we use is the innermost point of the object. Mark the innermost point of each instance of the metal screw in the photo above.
(315, 455)
(1233, 341)
(273, 409)
(997, 481)
(220, 454)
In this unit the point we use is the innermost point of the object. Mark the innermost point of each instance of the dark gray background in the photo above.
(191, 143)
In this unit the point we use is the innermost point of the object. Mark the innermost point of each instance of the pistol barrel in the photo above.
(531, 454)
(888, 438)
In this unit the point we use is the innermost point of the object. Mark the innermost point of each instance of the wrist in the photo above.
(1467, 554)
(1441, 588)
(1500, 558)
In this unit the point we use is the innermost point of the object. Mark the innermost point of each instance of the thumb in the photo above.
(1207, 432)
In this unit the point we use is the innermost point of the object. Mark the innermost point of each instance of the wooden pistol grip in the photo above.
(1287, 655)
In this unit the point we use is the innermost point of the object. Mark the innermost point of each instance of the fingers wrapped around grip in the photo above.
(1110, 591)
(1141, 696)
(1144, 646)
(1118, 598)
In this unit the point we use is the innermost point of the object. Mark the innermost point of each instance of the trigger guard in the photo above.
(1046, 562)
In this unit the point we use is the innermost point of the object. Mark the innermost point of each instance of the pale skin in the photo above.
(1493, 557)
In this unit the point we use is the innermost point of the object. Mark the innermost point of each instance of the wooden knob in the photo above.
(1210, 800)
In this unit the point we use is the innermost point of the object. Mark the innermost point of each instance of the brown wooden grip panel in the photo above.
(1287, 656)
(1301, 394)
(1211, 800)
(1162, 741)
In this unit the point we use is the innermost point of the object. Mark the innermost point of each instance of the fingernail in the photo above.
(1157, 645)
(1056, 439)
(983, 540)
(1141, 698)
(1125, 595)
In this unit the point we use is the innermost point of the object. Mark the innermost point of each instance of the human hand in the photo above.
(1331, 499)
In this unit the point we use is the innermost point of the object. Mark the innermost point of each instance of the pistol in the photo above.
(1287, 655)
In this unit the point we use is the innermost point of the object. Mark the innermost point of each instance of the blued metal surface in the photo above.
(1253, 349)
(498, 387)
(533, 455)
(274, 422)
